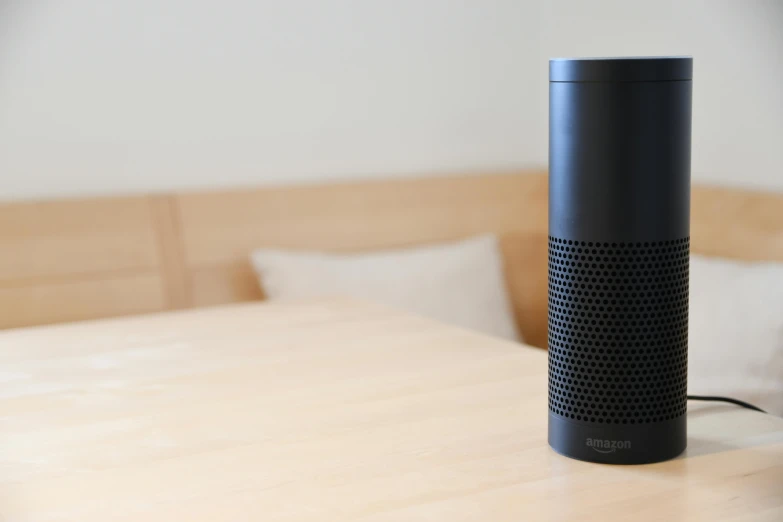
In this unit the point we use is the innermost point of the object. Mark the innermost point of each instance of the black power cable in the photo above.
(725, 399)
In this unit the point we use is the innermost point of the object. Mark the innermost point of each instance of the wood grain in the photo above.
(57, 239)
(171, 256)
(738, 224)
(78, 259)
(220, 227)
(223, 284)
(330, 411)
(104, 296)
(525, 265)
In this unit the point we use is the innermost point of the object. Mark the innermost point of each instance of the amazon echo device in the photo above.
(619, 211)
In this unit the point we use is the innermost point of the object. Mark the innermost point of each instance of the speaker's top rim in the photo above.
(630, 69)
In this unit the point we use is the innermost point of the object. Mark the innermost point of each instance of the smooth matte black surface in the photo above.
(619, 161)
(641, 444)
(641, 69)
(619, 227)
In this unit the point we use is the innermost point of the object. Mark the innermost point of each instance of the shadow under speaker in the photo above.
(619, 212)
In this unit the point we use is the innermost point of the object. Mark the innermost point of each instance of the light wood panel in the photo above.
(226, 283)
(69, 238)
(81, 259)
(171, 256)
(84, 298)
(331, 412)
(738, 224)
(220, 229)
(525, 259)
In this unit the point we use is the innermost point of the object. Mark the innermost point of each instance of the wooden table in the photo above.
(330, 411)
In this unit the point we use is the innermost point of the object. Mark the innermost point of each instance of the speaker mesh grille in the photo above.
(618, 330)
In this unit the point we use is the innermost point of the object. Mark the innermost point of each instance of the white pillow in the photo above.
(460, 283)
(735, 338)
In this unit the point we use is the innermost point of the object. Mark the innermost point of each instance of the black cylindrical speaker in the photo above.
(619, 212)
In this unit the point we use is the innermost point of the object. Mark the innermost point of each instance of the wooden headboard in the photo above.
(79, 259)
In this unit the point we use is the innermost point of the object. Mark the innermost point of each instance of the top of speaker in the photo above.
(635, 69)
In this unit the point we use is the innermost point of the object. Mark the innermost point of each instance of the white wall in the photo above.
(151, 95)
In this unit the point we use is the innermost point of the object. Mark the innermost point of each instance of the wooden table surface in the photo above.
(330, 411)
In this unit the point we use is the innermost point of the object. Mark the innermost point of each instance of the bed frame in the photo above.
(81, 259)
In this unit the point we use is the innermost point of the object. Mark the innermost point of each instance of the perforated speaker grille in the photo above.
(618, 330)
